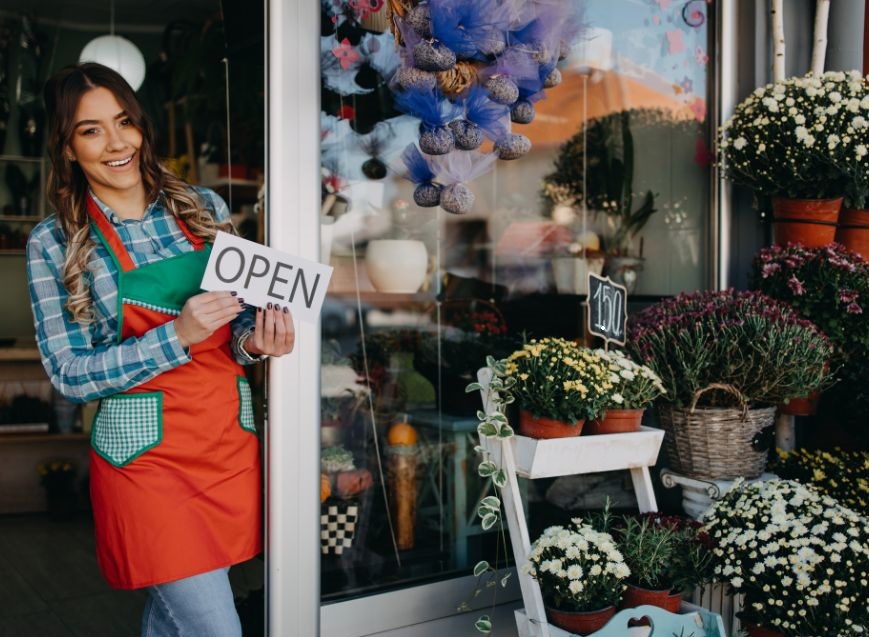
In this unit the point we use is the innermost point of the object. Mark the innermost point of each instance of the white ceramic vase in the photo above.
(396, 265)
(571, 273)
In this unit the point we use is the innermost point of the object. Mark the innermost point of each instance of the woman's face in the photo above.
(105, 143)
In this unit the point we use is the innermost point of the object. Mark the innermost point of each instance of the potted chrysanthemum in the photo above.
(558, 386)
(581, 574)
(802, 142)
(801, 559)
(635, 387)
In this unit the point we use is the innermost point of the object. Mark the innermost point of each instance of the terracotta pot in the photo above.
(543, 427)
(762, 631)
(637, 596)
(615, 421)
(853, 230)
(811, 222)
(674, 603)
(807, 406)
(580, 623)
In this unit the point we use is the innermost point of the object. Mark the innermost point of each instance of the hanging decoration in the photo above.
(469, 71)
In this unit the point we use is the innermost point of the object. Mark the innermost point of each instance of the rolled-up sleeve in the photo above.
(77, 367)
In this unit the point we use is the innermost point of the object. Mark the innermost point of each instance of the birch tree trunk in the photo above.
(819, 47)
(778, 41)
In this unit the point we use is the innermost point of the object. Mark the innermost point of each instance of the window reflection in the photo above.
(419, 297)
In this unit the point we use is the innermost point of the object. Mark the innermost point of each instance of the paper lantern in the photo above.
(119, 54)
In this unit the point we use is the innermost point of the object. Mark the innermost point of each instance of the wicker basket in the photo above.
(715, 443)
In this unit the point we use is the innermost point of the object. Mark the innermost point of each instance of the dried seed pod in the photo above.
(512, 146)
(457, 199)
(433, 56)
(553, 79)
(412, 78)
(419, 19)
(502, 90)
(468, 135)
(437, 141)
(427, 195)
(522, 112)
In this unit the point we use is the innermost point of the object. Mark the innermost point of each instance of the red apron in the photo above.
(175, 465)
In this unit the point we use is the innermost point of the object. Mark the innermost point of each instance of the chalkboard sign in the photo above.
(607, 309)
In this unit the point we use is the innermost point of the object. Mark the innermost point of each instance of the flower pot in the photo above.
(762, 631)
(396, 265)
(853, 230)
(543, 428)
(674, 603)
(638, 596)
(624, 271)
(810, 222)
(806, 406)
(580, 623)
(571, 273)
(615, 421)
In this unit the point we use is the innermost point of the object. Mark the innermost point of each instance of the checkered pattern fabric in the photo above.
(245, 406)
(128, 425)
(337, 527)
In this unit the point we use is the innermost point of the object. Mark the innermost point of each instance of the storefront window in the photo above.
(616, 180)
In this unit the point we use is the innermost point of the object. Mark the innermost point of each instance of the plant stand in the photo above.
(532, 459)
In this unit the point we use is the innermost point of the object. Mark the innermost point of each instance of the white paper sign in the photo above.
(262, 275)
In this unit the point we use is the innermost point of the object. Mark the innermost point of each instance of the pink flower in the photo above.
(854, 308)
(848, 296)
(346, 54)
(796, 286)
(769, 269)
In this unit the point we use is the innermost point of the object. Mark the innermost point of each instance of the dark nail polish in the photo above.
(259, 309)
(286, 310)
(241, 300)
(269, 306)
(234, 293)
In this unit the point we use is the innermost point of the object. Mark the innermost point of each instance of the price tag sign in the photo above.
(607, 309)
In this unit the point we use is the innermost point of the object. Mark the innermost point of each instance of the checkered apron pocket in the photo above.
(245, 405)
(127, 425)
(337, 526)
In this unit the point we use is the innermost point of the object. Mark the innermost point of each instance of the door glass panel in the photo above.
(419, 297)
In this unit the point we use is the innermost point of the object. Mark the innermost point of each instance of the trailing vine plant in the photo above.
(493, 425)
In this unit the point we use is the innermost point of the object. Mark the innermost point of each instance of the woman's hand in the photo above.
(204, 313)
(274, 333)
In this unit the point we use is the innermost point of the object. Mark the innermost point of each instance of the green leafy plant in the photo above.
(800, 558)
(750, 341)
(803, 137)
(597, 166)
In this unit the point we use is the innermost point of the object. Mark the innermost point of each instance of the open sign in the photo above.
(263, 275)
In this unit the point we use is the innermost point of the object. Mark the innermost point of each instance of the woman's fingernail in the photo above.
(269, 306)
(241, 300)
(259, 309)
(234, 293)
(286, 310)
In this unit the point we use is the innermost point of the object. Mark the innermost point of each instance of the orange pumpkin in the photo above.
(402, 434)
(325, 487)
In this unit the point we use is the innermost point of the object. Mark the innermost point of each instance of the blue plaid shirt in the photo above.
(85, 362)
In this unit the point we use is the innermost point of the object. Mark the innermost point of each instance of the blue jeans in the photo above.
(198, 606)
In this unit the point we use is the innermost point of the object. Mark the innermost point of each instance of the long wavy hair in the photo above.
(67, 185)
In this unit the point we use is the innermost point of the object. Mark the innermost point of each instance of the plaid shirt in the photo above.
(85, 362)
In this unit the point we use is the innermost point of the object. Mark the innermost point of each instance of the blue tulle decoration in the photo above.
(471, 28)
(543, 34)
(418, 169)
(517, 64)
(526, 95)
(428, 106)
(485, 113)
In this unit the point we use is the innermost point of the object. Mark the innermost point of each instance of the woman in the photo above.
(114, 282)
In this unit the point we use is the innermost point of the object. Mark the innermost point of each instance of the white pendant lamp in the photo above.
(116, 53)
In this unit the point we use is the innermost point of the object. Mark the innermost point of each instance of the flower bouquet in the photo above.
(580, 570)
(800, 558)
(724, 358)
(558, 385)
(636, 387)
(801, 138)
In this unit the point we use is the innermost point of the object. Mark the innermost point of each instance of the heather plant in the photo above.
(803, 137)
(800, 558)
(750, 341)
